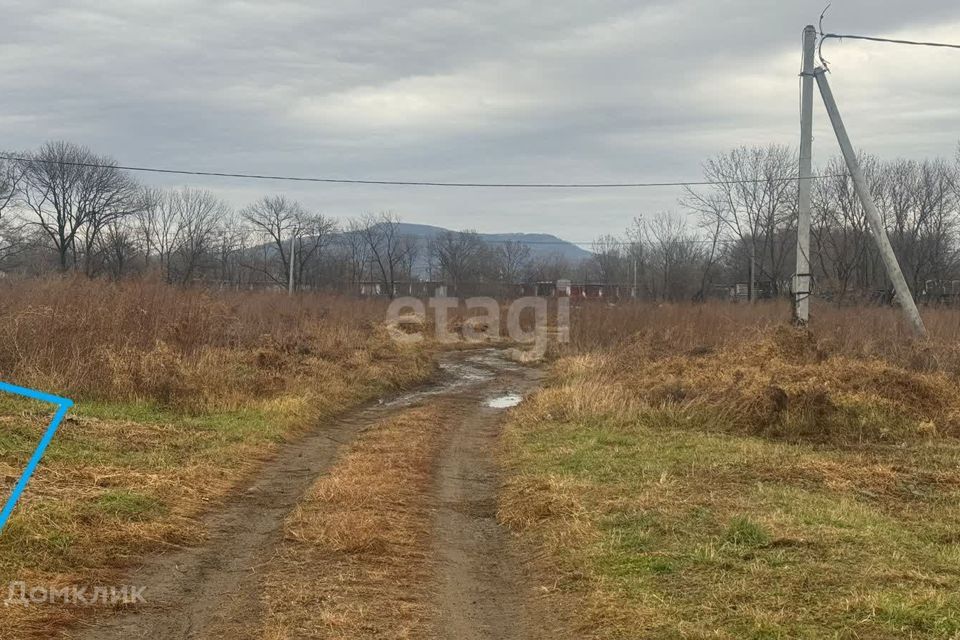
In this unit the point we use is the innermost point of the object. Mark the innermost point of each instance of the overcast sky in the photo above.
(508, 90)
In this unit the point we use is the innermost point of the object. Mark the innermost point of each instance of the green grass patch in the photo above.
(681, 530)
(148, 437)
(745, 533)
(917, 614)
(237, 424)
(129, 505)
(143, 412)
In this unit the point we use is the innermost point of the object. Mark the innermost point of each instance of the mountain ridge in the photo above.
(541, 245)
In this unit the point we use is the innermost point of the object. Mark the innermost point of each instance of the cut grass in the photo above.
(666, 520)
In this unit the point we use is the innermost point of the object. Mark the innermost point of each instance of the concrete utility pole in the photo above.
(802, 280)
(903, 295)
(293, 249)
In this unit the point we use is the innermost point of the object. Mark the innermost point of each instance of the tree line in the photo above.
(747, 218)
(65, 208)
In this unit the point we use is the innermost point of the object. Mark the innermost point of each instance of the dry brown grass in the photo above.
(354, 563)
(858, 332)
(697, 473)
(144, 341)
(855, 375)
(180, 395)
(781, 383)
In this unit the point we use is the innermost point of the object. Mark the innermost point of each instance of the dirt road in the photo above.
(214, 591)
(481, 587)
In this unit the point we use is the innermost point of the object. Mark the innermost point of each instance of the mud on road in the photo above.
(480, 591)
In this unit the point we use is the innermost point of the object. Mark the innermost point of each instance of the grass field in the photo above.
(179, 395)
(687, 471)
(711, 474)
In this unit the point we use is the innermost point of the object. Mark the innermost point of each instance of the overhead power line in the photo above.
(915, 43)
(849, 36)
(419, 183)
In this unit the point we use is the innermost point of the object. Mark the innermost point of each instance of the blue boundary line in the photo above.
(63, 405)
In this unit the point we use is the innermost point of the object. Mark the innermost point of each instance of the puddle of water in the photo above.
(504, 402)
(494, 359)
(463, 370)
(455, 376)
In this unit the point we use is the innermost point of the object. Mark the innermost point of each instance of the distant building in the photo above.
(416, 289)
(740, 291)
(540, 289)
(941, 292)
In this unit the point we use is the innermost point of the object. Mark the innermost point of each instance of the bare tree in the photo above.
(550, 268)
(512, 258)
(386, 247)
(158, 225)
(11, 229)
(609, 259)
(919, 207)
(199, 213)
(354, 243)
(231, 242)
(276, 219)
(313, 233)
(280, 221)
(114, 196)
(118, 247)
(752, 200)
(11, 181)
(145, 221)
(459, 255)
(74, 193)
(676, 257)
(840, 229)
(410, 248)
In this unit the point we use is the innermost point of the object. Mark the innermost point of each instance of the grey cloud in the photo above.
(513, 90)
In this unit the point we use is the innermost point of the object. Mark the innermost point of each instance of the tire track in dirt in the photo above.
(482, 591)
(213, 590)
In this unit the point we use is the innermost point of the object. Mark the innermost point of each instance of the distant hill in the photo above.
(541, 245)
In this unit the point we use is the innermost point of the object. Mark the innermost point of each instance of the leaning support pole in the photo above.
(801, 283)
(904, 297)
(293, 248)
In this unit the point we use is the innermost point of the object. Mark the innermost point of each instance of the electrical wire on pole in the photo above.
(415, 183)
(824, 36)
